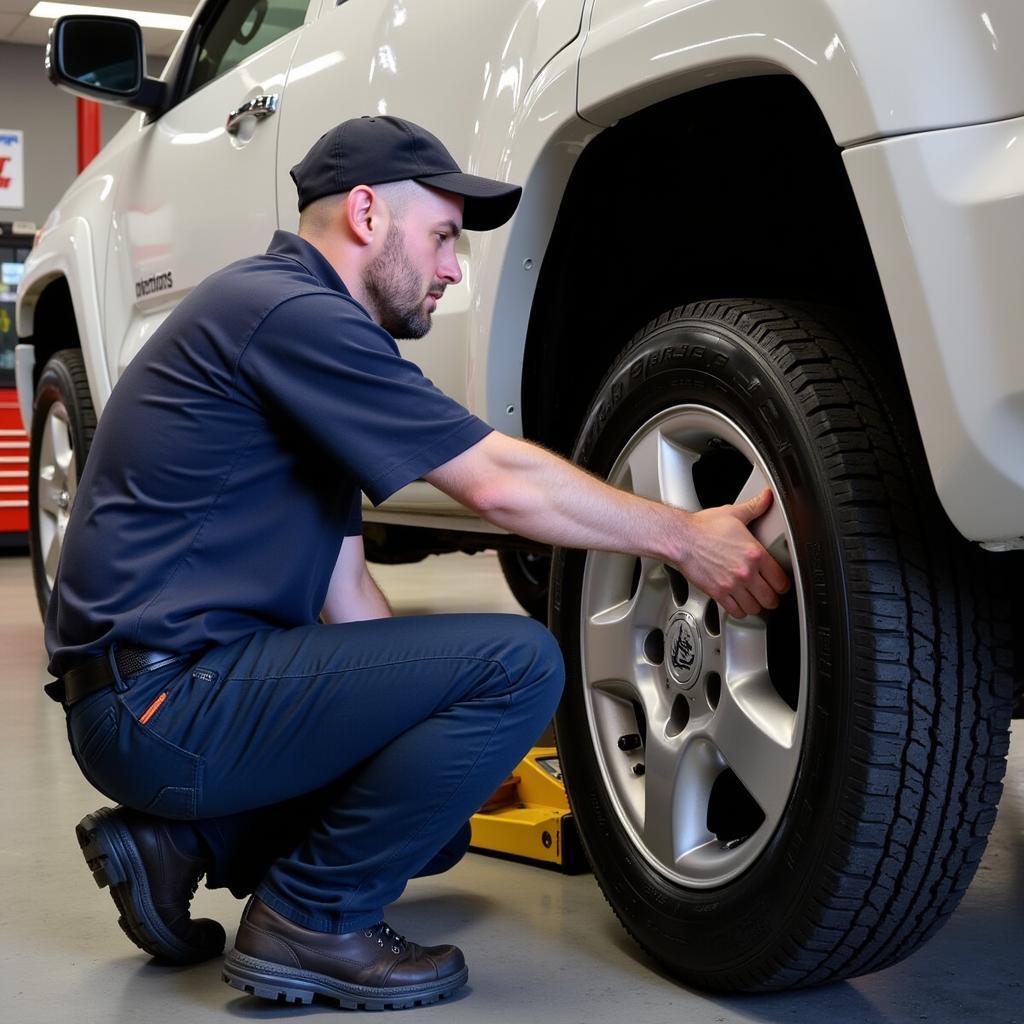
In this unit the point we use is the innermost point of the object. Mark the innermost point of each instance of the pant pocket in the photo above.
(134, 766)
(101, 731)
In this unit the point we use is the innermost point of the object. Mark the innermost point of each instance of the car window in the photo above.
(240, 28)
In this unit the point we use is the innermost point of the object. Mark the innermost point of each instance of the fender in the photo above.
(875, 68)
(69, 253)
(73, 244)
(924, 98)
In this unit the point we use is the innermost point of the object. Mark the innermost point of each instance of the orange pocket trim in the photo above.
(153, 708)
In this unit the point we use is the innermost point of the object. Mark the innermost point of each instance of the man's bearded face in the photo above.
(398, 293)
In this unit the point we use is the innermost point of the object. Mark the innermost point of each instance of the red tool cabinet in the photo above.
(14, 250)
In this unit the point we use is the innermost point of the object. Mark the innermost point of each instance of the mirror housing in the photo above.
(103, 59)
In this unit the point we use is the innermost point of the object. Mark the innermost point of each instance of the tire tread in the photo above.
(913, 825)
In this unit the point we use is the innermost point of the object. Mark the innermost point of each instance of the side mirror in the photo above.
(102, 59)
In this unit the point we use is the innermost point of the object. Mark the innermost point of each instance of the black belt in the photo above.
(95, 674)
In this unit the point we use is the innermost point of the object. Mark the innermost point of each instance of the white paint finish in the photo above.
(546, 138)
(364, 58)
(509, 112)
(875, 67)
(192, 198)
(24, 365)
(945, 216)
(70, 255)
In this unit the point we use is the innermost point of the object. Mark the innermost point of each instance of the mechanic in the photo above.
(231, 673)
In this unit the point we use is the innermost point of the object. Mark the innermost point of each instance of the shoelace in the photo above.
(385, 933)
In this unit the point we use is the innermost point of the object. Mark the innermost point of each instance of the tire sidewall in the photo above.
(56, 384)
(530, 592)
(701, 363)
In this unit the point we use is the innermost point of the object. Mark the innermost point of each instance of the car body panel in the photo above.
(70, 255)
(944, 212)
(875, 68)
(179, 175)
(540, 80)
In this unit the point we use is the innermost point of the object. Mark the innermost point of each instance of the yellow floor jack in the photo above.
(528, 817)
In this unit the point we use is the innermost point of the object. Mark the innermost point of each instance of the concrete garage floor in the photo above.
(541, 946)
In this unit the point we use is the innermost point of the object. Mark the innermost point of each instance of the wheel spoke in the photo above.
(47, 460)
(679, 774)
(48, 498)
(660, 470)
(60, 446)
(611, 644)
(645, 467)
(53, 555)
(770, 529)
(614, 636)
(755, 730)
(71, 483)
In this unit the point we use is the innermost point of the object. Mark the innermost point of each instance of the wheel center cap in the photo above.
(683, 649)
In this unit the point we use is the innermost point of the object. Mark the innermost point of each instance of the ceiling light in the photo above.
(147, 19)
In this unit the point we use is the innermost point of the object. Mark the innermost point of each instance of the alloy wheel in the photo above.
(696, 717)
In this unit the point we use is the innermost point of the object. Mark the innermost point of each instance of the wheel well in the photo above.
(736, 189)
(53, 322)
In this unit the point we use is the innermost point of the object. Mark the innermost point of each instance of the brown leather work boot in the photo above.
(370, 969)
(152, 883)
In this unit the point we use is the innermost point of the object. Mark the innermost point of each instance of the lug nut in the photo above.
(638, 769)
(630, 741)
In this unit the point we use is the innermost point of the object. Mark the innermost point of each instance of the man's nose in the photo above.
(450, 270)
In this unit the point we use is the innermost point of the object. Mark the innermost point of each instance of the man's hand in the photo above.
(527, 490)
(725, 560)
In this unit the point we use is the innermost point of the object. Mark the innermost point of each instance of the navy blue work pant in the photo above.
(325, 766)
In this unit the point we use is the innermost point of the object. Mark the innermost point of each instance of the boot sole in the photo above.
(110, 852)
(267, 980)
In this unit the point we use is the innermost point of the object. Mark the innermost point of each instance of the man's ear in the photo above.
(363, 212)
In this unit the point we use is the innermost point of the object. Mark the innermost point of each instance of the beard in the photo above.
(396, 291)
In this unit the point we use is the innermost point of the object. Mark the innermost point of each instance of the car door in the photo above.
(197, 187)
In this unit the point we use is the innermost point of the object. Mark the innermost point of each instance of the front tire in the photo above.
(63, 424)
(802, 796)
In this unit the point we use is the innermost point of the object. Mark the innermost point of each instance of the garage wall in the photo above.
(46, 115)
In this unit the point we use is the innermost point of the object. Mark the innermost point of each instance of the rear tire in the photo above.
(527, 574)
(889, 671)
(63, 424)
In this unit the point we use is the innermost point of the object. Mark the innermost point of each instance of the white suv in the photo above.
(816, 207)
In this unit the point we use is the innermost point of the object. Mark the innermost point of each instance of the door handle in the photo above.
(260, 107)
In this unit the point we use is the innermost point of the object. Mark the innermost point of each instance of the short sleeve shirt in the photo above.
(227, 466)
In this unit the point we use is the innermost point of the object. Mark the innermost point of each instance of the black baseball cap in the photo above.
(375, 150)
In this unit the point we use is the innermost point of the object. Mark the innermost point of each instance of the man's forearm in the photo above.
(534, 493)
(547, 498)
(529, 491)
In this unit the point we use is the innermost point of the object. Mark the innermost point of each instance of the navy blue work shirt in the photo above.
(227, 465)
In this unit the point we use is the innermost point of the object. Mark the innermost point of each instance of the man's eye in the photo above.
(441, 237)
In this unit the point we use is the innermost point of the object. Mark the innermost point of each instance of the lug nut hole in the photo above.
(713, 689)
(680, 588)
(712, 620)
(654, 647)
(679, 717)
